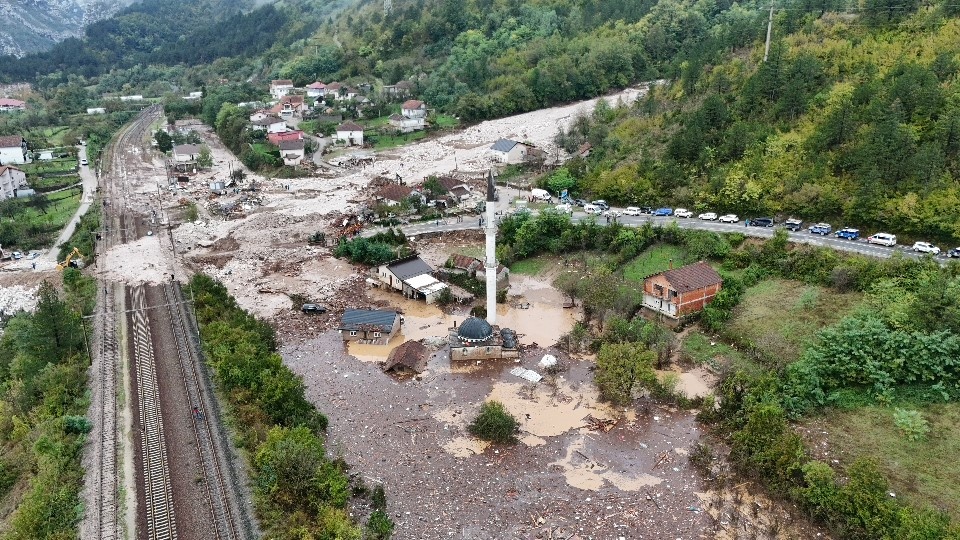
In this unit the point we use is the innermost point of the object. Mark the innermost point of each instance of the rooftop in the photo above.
(11, 141)
(503, 145)
(409, 267)
(412, 104)
(349, 126)
(394, 192)
(186, 149)
(361, 319)
(692, 277)
(475, 329)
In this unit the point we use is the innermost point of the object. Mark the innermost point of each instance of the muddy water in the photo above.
(692, 384)
(547, 412)
(583, 472)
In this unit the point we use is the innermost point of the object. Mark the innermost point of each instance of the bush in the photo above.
(379, 526)
(911, 423)
(621, 367)
(494, 424)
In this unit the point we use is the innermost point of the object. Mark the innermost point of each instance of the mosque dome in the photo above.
(475, 329)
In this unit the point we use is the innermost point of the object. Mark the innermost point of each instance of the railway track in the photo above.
(211, 454)
(158, 490)
(106, 478)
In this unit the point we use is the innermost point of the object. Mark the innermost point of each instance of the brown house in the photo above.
(680, 292)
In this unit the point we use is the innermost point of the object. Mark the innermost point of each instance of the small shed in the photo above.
(409, 356)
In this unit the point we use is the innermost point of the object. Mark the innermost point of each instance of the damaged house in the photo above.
(374, 326)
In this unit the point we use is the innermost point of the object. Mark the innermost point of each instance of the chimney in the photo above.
(671, 264)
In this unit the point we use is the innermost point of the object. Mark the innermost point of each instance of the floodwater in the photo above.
(583, 472)
(546, 411)
(695, 383)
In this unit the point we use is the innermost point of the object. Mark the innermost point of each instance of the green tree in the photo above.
(621, 367)
(204, 158)
(164, 141)
(494, 423)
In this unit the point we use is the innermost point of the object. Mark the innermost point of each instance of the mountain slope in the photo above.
(37, 25)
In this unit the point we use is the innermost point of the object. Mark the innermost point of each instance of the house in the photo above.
(350, 133)
(333, 89)
(412, 276)
(186, 153)
(289, 107)
(400, 90)
(680, 292)
(414, 109)
(292, 135)
(316, 89)
(7, 105)
(473, 267)
(13, 149)
(507, 151)
(11, 179)
(280, 88)
(374, 326)
(476, 339)
(393, 194)
(97, 110)
(405, 124)
(270, 124)
(351, 93)
(292, 152)
(193, 96)
(135, 97)
(410, 356)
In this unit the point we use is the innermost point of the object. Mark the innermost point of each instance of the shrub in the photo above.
(911, 423)
(494, 423)
(379, 526)
(621, 367)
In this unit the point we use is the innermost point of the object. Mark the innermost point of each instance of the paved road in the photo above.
(89, 181)
(856, 246)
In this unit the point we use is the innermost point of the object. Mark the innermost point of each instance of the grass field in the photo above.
(700, 349)
(54, 182)
(781, 317)
(655, 259)
(390, 141)
(530, 267)
(925, 471)
(49, 167)
(445, 121)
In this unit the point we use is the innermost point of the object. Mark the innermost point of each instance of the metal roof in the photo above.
(503, 145)
(409, 267)
(357, 319)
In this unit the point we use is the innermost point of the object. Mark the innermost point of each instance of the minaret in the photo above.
(491, 259)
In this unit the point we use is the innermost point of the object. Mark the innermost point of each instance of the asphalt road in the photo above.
(89, 180)
(804, 237)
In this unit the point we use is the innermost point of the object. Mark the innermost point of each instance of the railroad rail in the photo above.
(211, 454)
(106, 476)
(161, 524)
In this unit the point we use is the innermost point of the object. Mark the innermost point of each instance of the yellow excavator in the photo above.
(66, 262)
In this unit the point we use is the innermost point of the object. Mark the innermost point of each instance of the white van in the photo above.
(541, 194)
(883, 239)
(592, 209)
(564, 209)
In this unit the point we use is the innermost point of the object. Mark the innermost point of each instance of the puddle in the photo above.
(545, 413)
(464, 447)
(582, 472)
(694, 383)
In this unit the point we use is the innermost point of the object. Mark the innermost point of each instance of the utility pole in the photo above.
(766, 48)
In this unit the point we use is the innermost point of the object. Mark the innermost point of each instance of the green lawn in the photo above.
(781, 317)
(530, 267)
(381, 142)
(49, 167)
(925, 471)
(655, 259)
(696, 349)
(445, 121)
(54, 182)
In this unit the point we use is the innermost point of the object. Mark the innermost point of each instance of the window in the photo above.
(673, 294)
(376, 334)
(353, 332)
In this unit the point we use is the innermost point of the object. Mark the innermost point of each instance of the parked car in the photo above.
(926, 247)
(793, 224)
(663, 211)
(848, 234)
(646, 209)
(313, 308)
(883, 239)
(612, 213)
(580, 202)
(955, 252)
(708, 216)
(761, 222)
(592, 209)
(565, 208)
(602, 204)
(631, 211)
(728, 218)
(822, 229)
(83, 162)
(683, 213)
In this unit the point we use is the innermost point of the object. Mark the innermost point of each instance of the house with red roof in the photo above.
(682, 291)
(8, 105)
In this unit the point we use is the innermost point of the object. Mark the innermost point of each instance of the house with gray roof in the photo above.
(413, 277)
(374, 326)
(507, 151)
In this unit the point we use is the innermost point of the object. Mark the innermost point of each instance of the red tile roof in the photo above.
(11, 141)
(394, 192)
(692, 277)
(411, 104)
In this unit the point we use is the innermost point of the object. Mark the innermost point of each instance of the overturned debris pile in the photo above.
(410, 356)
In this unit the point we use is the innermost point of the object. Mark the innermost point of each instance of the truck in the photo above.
(793, 224)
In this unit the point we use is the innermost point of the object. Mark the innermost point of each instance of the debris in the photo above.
(548, 361)
(527, 374)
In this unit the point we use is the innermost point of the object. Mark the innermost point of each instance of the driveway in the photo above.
(89, 180)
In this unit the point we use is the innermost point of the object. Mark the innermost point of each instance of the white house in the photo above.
(135, 97)
(405, 124)
(11, 179)
(13, 149)
(292, 152)
(412, 276)
(259, 115)
(507, 151)
(413, 108)
(186, 153)
(270, 124)
(316, 89)
(350, 133)
(280, 88)
(193, 96)
(7, 105)
(96, 110)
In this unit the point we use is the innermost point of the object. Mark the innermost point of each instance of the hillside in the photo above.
(37, 25)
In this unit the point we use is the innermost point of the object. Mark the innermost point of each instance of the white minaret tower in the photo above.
(491, 259)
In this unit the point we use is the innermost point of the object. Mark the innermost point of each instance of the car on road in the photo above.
(955, 252)
(793, 224)
(848, 233)
(683, 213)
(313, 308)
(646, 209)
(728, 218)
(631, 211)
(663, 211)
(602, 204)
(83, 162)
(592, 209)
(564, 208)
(761, 222)
(612, 213)
(926, 247)
(822, 229)
(580, 202)
(883, 239)
(708, 216)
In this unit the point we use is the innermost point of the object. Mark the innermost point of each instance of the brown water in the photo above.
(583, 472)
(695, 383)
